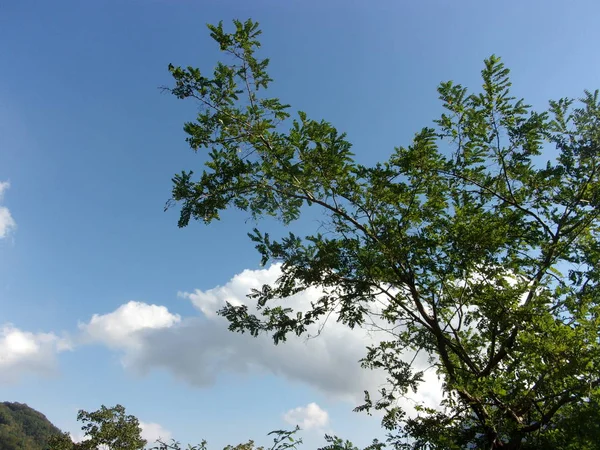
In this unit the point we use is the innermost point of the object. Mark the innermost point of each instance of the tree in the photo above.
(111, 429)
(480, 238)
(282, 440)
(108, 428)
(62, 441)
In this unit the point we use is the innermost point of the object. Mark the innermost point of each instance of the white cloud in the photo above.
(197, 349)
(4, 185)
(154, 431)
(124, 326)
(23, 352)
(7, 223)
(77, 436)
(308, 417)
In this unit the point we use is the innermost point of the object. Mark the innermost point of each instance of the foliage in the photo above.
(480, 239)
(283, 440)
(107, 428)
(336, 443)
(62, 441)
(111, 427)
(24, 428)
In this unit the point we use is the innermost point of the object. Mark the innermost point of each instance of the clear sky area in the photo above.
(104, 300)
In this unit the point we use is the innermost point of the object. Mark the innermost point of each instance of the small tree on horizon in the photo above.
(106, 428)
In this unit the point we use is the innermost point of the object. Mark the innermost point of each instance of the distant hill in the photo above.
(24, 428)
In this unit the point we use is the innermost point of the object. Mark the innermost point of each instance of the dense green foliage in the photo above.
(108, 428)
(476, 244)
(24, 428)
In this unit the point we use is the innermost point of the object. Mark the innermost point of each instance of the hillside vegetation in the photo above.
(24, 428)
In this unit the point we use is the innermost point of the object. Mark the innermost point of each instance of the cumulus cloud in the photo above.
(197, 349)
(7, 223)
(23, 352)
(154, 431)
(125, 326)
(308, 417)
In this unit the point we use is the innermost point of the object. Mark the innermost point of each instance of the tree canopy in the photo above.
(477, 243)
(106, 428)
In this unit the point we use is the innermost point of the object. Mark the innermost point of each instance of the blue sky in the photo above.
(88, 145)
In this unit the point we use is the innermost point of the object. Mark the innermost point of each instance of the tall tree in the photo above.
(480, 238)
